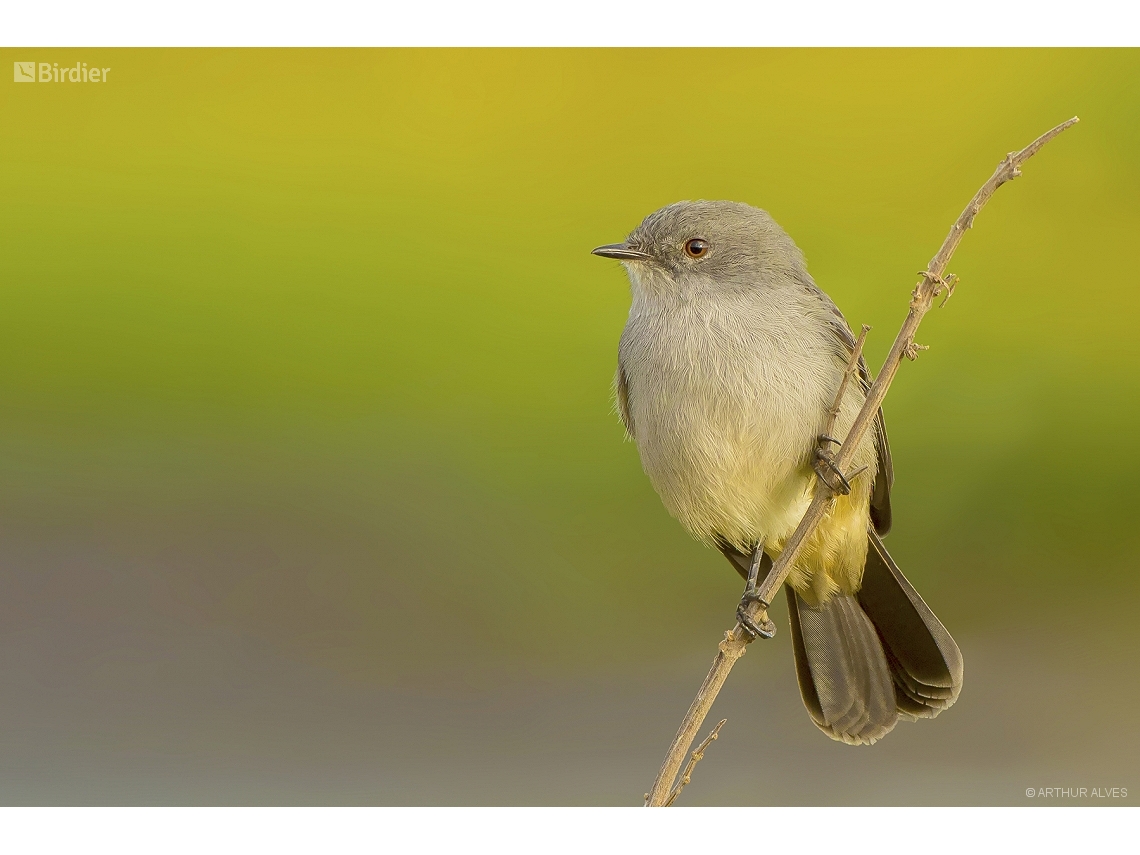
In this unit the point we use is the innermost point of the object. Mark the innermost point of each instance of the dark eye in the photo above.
(696, 248)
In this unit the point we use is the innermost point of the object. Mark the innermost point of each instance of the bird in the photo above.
(728, 366)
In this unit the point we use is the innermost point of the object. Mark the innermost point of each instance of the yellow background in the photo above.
(310, 484)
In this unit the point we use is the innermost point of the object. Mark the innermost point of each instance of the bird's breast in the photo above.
(726, 403)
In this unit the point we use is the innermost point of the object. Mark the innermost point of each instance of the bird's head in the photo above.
(700, 247)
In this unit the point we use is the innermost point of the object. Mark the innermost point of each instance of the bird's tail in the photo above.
(864, 661)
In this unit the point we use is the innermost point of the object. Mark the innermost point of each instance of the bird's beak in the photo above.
(620, 251)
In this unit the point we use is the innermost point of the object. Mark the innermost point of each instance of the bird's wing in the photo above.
(621, 394)
(881, 491)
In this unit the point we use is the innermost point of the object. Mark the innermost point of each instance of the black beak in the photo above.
(620, 251)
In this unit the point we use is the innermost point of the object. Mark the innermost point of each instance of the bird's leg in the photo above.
(825, 468)
(764, 629)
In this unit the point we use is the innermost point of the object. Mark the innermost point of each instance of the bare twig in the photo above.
(694, 759)
(736, 641)
(852, 367)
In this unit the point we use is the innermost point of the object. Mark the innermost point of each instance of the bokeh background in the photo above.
(311, 489)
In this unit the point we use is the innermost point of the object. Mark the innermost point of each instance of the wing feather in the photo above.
(621, 395)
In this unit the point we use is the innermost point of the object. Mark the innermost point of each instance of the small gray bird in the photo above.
(727, 368)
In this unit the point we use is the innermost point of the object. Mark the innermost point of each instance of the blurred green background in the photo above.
(311, 489)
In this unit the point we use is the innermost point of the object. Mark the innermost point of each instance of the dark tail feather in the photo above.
(925, 663)
(865, 661)
(844, 676)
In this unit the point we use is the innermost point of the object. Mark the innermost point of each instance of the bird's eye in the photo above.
(696, 248)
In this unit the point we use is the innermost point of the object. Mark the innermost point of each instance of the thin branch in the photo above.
(736, 641)
(694, 759)
(852, 367)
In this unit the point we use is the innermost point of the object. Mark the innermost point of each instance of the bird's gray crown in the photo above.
(730, 242)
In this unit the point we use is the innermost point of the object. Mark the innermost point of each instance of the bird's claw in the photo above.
(825, 467)
(765, 628)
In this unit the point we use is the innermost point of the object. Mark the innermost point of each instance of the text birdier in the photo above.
(53, 72)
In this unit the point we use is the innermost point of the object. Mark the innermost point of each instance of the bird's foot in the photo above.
(824, 465)
(765, 628)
